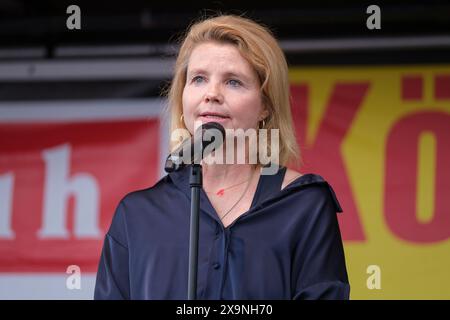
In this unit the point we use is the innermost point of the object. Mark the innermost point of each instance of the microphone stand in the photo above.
(195, 182)
(175, 162)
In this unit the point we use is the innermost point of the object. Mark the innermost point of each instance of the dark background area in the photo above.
(311, 33)
(131, 21)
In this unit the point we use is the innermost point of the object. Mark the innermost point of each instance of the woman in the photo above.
(261, 236)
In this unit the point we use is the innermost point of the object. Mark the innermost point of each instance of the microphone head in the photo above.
(196, 146)
(210, 133)
(213, 125)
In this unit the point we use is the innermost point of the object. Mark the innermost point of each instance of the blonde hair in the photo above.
(258, 46)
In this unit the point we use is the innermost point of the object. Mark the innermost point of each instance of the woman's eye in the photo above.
(234, 83)
(197, 79)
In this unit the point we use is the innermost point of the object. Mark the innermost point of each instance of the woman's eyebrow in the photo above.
(196, 71)
(235, 74)
(226, 74)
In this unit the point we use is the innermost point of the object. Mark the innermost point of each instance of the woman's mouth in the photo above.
(213, 117)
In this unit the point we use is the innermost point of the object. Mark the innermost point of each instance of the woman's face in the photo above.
(221, 86)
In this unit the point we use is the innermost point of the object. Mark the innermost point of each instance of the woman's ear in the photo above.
(264, 114)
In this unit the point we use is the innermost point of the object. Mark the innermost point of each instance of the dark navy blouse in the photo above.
(286, 246)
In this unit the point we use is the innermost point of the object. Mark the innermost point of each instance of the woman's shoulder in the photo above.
(153, 191)
(294, 177)
(315, 183)
(290, 176)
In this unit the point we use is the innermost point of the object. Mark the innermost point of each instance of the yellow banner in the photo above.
(390, 170)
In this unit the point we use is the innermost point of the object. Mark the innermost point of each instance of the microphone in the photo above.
(192, 150)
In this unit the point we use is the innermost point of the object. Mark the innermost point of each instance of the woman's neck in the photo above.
(216, 176)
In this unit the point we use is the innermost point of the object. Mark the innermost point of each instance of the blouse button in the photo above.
(216, 265)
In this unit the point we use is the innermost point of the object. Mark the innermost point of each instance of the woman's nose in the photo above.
(213, 94)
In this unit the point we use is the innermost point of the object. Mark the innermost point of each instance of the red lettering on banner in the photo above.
(412, 87)
(324, 155)
(401, 178)
(60, 184)
(442, 86)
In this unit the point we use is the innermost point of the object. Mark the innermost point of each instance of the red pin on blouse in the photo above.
(221, 192)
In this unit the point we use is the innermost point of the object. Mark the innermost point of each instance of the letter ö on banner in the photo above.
(401, 177)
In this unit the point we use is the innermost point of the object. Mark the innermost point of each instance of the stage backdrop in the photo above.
(379, 135)
(64, 166)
